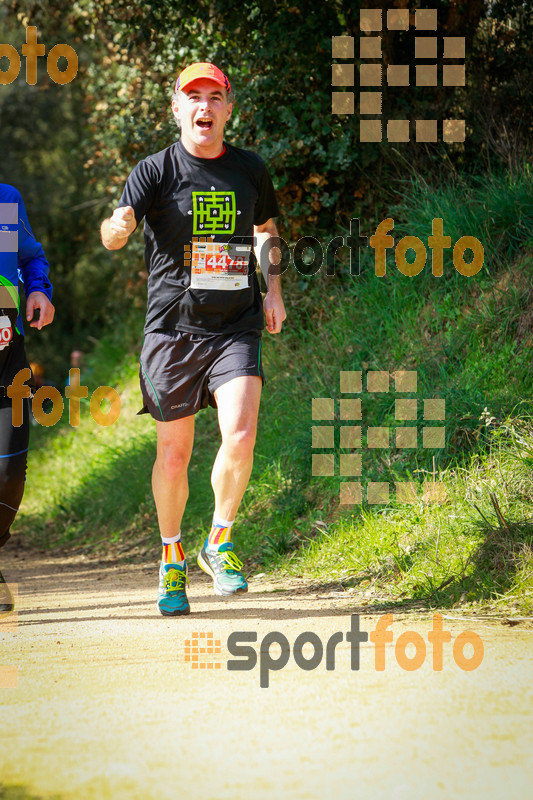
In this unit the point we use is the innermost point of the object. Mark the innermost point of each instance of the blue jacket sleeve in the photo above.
(32, 264)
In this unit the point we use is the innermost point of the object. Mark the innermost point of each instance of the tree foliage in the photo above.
(72, 147)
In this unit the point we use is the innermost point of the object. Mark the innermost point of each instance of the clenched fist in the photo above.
(123, 222)
(116, 230)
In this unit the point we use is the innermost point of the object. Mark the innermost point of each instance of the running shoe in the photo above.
(172, 600)
(7, 604)
(225, 569)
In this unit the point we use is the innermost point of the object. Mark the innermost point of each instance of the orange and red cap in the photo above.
(201, 70)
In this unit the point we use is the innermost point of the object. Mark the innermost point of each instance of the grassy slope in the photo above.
(469, 339)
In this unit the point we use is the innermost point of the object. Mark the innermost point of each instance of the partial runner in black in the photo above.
(208, 209)
(13, 440)
(21, 259)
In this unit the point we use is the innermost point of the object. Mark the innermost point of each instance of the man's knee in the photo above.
(172, 459)
(241, 442)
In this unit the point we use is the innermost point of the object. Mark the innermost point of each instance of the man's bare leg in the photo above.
(169, 477)
(238, 406)
(171, 490)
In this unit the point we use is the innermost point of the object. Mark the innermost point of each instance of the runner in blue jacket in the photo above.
(22, 260)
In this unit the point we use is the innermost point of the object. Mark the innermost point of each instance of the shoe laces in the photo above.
(231, 563)
(175, 580)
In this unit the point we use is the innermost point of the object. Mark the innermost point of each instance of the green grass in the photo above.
(469, 340)
(475, 547)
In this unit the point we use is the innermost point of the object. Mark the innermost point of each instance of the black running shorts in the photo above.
(180, 371)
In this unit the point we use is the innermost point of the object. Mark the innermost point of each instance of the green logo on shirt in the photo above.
(214, 212)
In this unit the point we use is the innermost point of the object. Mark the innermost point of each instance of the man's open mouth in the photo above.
(204, 123)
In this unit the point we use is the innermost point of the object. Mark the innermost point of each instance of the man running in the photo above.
(203, 200)
(21, 259)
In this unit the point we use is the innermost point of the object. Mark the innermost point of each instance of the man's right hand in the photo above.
(123, 223)
(116, 230)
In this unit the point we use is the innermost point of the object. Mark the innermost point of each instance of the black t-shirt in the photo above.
(194, 207)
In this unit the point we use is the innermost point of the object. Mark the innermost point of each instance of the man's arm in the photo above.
(33, 270)
(269, 256)
(116, 230)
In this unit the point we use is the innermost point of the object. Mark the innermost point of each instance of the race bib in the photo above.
(6, 332)
(9, 226)
(217, 265)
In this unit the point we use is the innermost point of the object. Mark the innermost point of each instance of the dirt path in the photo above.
(108, 706)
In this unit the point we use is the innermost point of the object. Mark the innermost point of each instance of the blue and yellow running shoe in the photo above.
(172, 600)
(225, 569)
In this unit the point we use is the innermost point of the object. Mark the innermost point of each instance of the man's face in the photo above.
(203, 111)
